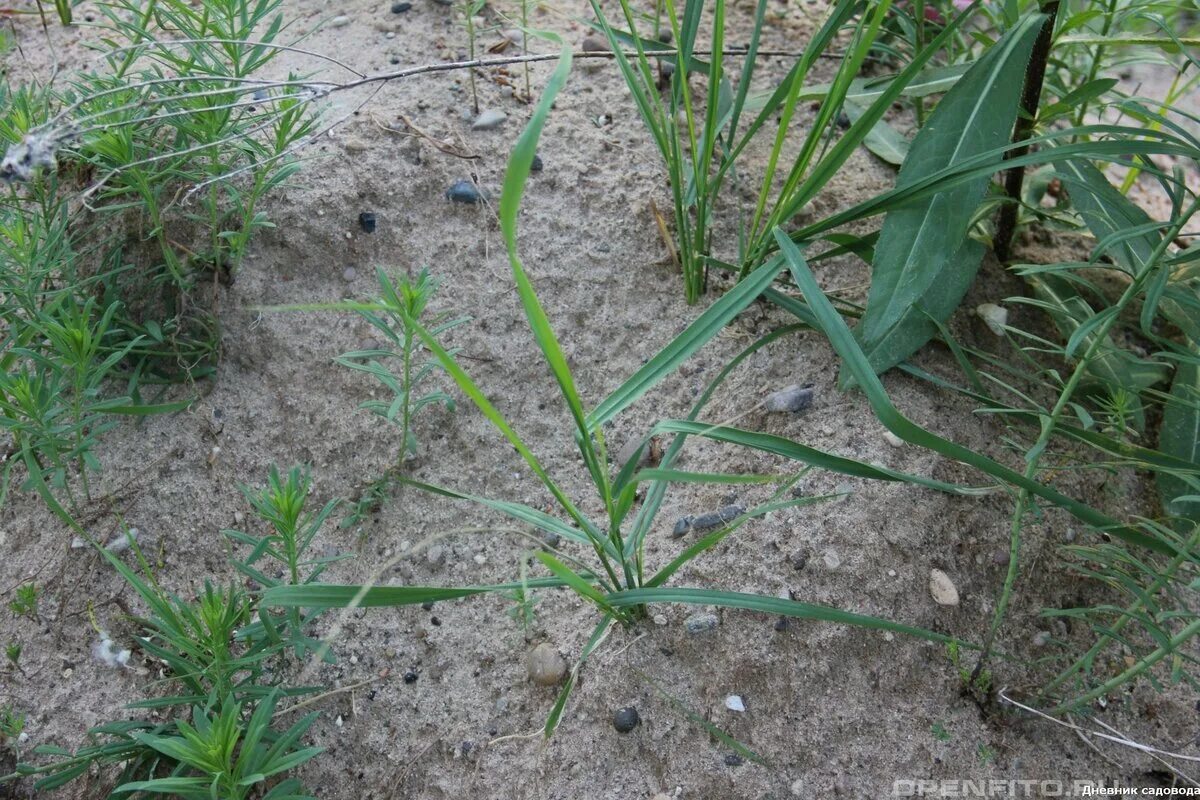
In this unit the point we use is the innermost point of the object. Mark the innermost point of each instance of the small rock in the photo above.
(994, 316)
(551, 539)
(593, 45)
(545, 665)
(436, 554)
(339, 22)
(120, 542)
(366, 221)
(514, 35)
(734, 703)
(464, 192)
(700, 623)
(798, 560)
(216, 421)
(715, 519)
(733, 760)
(790, 398)
(893, 439)
(843, 120)
(349, 274)
(489, 119)
(682, 526)
(664, 36)
(400, 8)
(536, 166)
(410, 676)
(831, 558)
(1000, 557)
(1041, 638)
(660, 620)
(942, 588)
(626, 719)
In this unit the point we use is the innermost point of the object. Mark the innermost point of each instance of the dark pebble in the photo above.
(626, 719)
(434, 621)
(400, 8)
(664, 36)
(781, 624)
(536, 166)
(410, 676)
(843, 120)
(551, 539)
(427, 605)
(366, 221)
(682, 526)
(464, 192)
(733, 760)
(715, 519)
(798, 560)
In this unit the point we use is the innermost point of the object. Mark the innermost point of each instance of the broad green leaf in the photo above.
(325, 595)
(921, 245)
(883, 140)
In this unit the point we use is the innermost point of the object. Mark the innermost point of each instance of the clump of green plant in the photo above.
(25, 600)
(12, 723)
(602, 558)
(281, 505)
(402, 303)
(470, 9)
(225, 655)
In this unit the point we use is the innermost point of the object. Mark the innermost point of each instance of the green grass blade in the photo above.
(328, 595)
(699, 333)
(775, 606)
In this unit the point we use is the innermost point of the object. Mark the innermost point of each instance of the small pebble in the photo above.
(551, 539)
(893, 439)
(626, 719)
(366, 221)
(216, 421)
(733, 760)
(734, 703)
(942, 588)
(464, 192)
(994, 316)
(546, 667)
(682, 526)
(1000, 557)
(660, 620)
(489, 119)
(798, 560)
(843, 120)
(790, 398)
(400, 8)
(339, 22)
(593, 45)
(536, 166)
(1041, 638)
(436, 554)
(715, 519)
(700, 623)
(832, 559)
(410, 676)
(349, 274)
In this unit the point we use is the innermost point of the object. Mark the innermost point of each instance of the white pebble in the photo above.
(942, 588)
(339, 22)
(734, 703)
(994, 316)
(893, 439)
(832, 559)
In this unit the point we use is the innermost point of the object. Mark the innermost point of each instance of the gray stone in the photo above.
(789, 399)
(545, 665)
(701, 623)
(489, 119)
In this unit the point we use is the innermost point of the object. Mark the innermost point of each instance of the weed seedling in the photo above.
(25, 601)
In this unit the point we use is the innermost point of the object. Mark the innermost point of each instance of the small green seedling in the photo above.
(281, 504)
(939, 732)
(25, 603)
(12, 723)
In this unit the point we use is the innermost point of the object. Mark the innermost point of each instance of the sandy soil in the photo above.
(836, 711)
